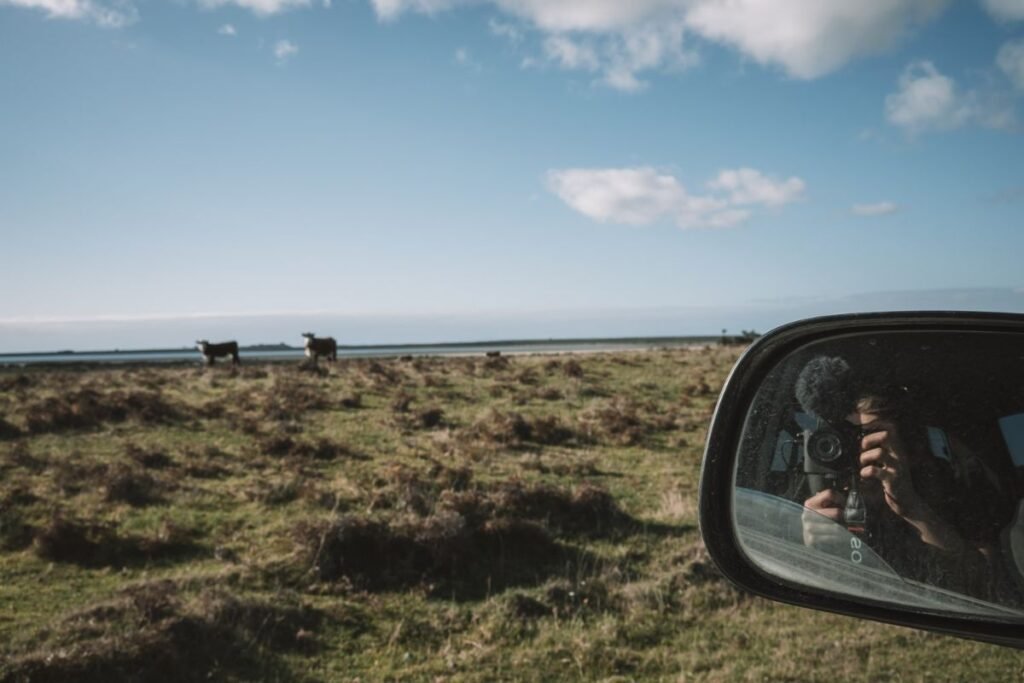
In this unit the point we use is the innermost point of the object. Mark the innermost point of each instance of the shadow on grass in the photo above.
(90, 409)
(468, 544)
(8, 431)
(151, 632)
(99, 545)
(444, 554)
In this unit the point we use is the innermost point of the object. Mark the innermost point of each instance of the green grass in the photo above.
(525, 518)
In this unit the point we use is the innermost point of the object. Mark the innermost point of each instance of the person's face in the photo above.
(867, 417)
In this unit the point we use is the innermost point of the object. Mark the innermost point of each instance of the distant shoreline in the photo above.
(263, 348)
(283, 352)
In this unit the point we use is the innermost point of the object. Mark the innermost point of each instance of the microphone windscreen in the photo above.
(825, 388)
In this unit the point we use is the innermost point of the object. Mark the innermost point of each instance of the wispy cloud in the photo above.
(285, 50)
(1005, 10)
(463, 57)
(106, 15)
(504, 29)
(1010, 61)
(875, 209)
(928, 100)
(227, 30)
(643, 195)
(805, 38)
(260, 7)
(749, 186)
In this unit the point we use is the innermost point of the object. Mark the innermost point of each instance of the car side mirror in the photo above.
(873, 465)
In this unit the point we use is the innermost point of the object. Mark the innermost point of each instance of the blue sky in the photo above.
(519, 158)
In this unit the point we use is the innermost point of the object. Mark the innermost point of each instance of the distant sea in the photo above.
(384, 334)
(279, 352)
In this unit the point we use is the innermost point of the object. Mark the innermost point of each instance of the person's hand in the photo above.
(822, 518)
(883, 458)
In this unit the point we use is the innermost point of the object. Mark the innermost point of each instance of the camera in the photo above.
(831, 452)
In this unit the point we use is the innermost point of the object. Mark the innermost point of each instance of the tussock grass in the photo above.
(487, 518)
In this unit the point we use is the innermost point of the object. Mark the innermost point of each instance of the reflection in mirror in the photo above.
(889, 467)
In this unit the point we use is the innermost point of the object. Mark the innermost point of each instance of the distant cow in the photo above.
(320, 346)
(211, 352)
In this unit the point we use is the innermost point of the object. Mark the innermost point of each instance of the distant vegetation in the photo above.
(743, 338)
(527, 517)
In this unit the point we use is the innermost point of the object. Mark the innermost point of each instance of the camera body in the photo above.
(831, 453)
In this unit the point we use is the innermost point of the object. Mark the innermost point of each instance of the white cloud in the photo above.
(927, 99)
(615, 40)
(643, 195)
(876, 209)
(86, 10)
(571, 54)
(506, 30)
(227, 30)
(1010, 60)
(392, 9)
(260, 7)
(749, 186)
(808, 38)
(464, 58)
(548, 15)
(635, 196)
(1005, 10)
(285, 50)
(621, 58)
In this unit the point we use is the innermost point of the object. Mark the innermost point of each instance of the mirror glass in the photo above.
(889, 467)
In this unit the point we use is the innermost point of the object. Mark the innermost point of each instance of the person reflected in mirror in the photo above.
(918, 497)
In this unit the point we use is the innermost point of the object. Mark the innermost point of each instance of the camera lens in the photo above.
(825, 446)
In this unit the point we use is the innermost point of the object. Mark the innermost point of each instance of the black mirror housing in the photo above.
(754, 423)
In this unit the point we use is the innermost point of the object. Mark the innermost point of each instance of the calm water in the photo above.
(192, 355)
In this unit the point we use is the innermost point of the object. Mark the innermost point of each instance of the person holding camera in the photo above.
(919, 498)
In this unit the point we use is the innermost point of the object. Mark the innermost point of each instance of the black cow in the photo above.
(320, 346)
(211, 352)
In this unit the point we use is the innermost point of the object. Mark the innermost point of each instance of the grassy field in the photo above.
(520, 518)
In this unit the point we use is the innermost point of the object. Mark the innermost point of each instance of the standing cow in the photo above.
(320, 346)
(211, 352)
